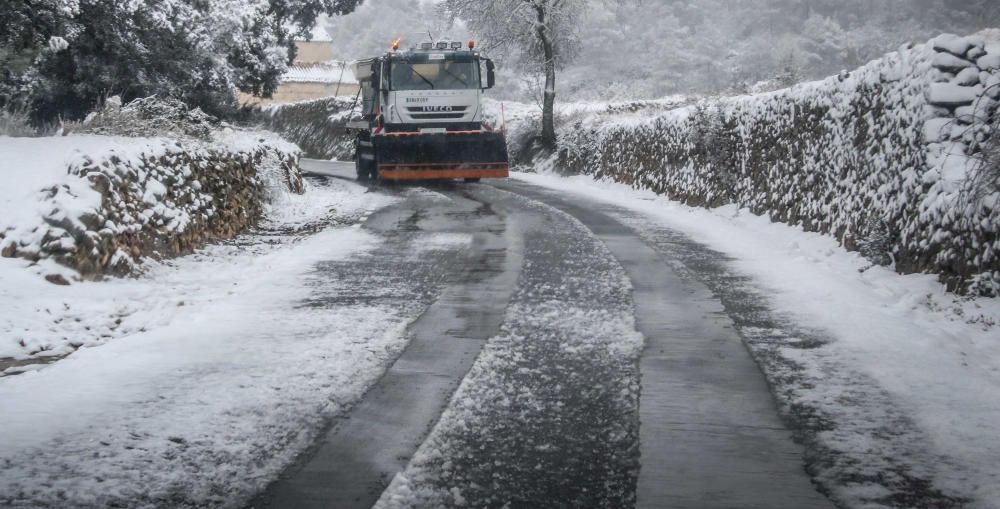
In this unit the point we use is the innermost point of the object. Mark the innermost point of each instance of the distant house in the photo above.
(313, 75)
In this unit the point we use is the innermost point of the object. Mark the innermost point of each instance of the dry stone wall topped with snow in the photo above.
(156, 197)
(317, 126)
(884, 155)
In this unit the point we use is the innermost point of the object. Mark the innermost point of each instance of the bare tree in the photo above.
(541, 34)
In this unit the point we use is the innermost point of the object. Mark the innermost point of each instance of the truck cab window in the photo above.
(444, 75)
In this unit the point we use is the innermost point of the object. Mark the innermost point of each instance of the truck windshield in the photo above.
(442, 75)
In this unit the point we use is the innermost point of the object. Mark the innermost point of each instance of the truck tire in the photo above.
(472, 179)
(364, 159)
(360, 168)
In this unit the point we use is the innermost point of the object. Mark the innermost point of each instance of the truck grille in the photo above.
(428, 109)
(435, 116)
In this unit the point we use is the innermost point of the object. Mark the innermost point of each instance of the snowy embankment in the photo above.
(901, 390)
(882, 158)
(97, 204)
(78, 207)
(226, 368)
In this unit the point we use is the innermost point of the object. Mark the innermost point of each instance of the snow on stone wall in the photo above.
(116, 199)
(317, 126)
(883, 152)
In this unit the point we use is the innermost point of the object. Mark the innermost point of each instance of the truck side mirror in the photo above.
(491, 77)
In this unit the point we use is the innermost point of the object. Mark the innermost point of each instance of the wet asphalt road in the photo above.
(560, 361)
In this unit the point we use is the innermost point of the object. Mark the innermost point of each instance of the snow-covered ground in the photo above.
(30, 166)
(216, 369)
(937, 355)
(39, 319)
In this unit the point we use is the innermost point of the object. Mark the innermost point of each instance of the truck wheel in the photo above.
(366, 169)
(472, 179)
(359, 164)
(362, 165)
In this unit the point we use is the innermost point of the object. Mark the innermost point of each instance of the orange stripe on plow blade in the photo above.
(439, 171)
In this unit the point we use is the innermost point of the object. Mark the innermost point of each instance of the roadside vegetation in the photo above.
(540, 34)
(60, 58)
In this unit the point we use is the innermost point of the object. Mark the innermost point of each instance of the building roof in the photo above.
(327, 72)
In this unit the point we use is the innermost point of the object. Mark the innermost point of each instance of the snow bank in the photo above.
(884, 152)
(226, 369)
(99, 203)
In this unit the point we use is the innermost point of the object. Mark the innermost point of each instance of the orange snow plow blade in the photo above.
(415, 156)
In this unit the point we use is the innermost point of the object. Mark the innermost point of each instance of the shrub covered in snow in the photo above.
(110, 201)
(16, 123)
(894, 143)
(150, 116)
(987, 164)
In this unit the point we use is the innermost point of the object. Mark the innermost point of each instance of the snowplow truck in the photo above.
(422, 117)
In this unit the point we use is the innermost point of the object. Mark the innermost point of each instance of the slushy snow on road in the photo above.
(933, 353)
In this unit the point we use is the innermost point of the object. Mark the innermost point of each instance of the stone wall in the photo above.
(317, 127)
(883, 158)
(161, 203)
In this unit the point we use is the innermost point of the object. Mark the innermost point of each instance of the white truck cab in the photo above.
(422, 118)
(433, 85)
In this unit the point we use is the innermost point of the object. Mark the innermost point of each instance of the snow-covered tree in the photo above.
(69, 54)
(372, 27)
(542, 34)
(28, 28)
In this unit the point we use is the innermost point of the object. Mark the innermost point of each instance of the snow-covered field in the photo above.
(935, 354)
(210, 366)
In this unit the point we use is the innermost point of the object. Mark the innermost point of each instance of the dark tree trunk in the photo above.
(549, 93)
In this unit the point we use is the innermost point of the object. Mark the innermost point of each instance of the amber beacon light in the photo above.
(395, 44)
(472, 44)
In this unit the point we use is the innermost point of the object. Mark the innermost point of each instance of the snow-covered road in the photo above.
(549, 412)
(540, 341)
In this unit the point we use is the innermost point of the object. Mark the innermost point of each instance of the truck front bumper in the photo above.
(420, 156)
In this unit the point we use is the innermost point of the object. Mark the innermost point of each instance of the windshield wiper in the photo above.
(422, 77)
(453, 75)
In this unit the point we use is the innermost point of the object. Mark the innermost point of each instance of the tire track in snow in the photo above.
(709, 429)
(548, 414)
(476, 253)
